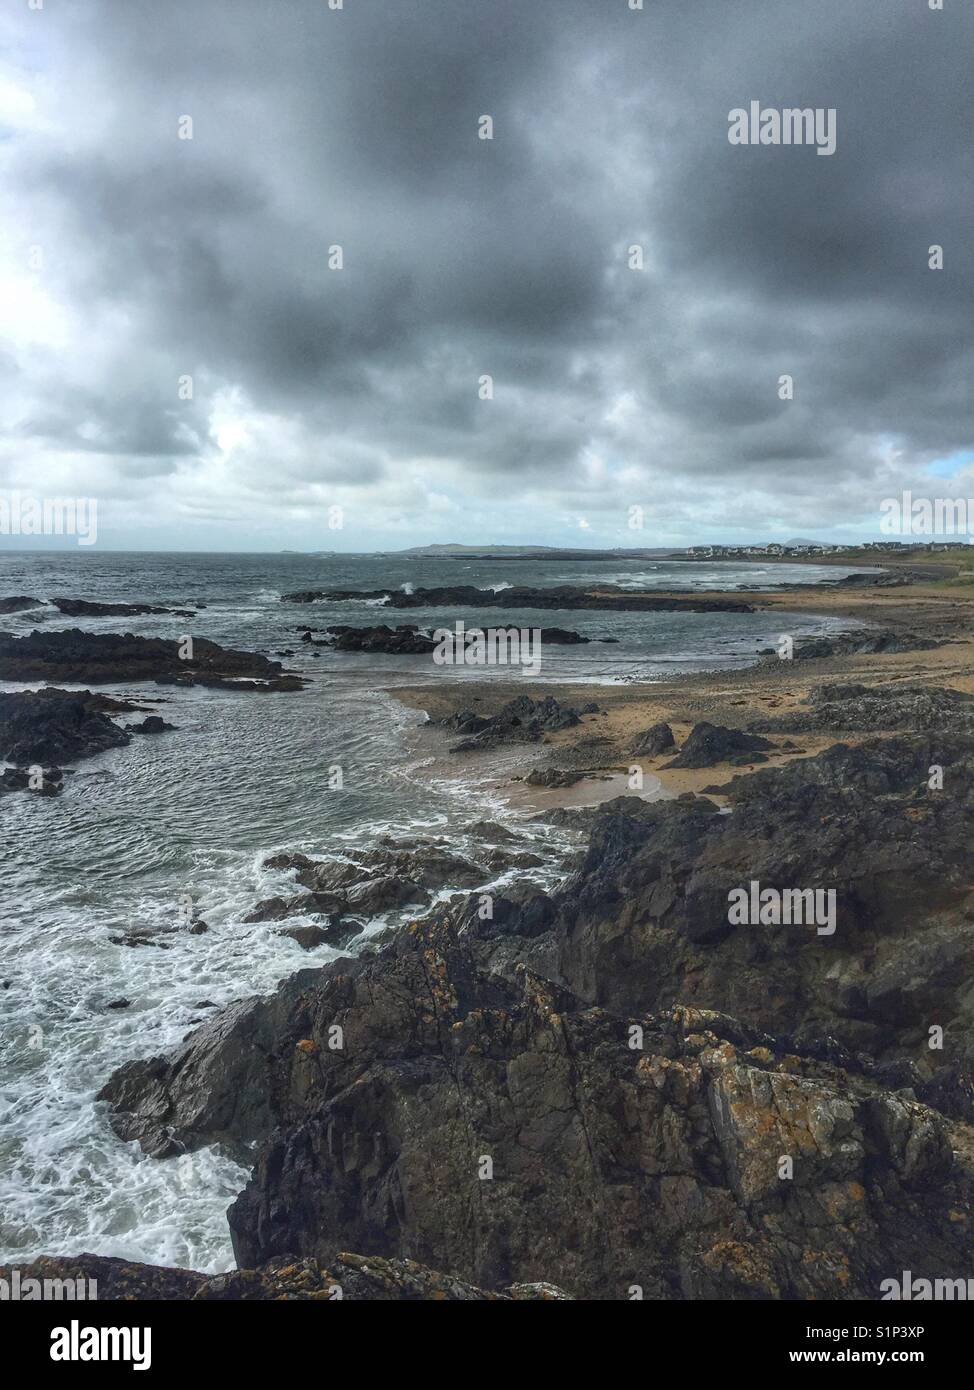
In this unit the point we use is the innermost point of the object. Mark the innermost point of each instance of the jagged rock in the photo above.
(708, 744)
(866, 643)
(57, 726)
(653, 741)
(655, 1164)
(336, 934)
(522, 720)
(383, 894)
(844, 707)
(552, 777)
(398, 641)
(301, 904)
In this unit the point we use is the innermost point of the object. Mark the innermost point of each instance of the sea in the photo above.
(194, 815)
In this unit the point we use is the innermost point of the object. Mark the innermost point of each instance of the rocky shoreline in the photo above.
(612, 1083)
(631, 1067)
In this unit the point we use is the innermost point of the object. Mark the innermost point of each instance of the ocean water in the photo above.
(197, 812)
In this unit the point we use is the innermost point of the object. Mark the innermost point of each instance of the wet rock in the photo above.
(94, 658)
(656, 1164)
(81, 608)
(398, 641)
(57, 726)
(606, 596)
(17, 603)
(384, 894)
(336, 934)
(19, 779)
(560, 636)
(300, 905)
(153, 724)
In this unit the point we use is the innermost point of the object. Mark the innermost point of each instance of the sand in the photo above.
(734, 698)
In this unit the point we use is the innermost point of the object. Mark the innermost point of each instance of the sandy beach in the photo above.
(930, 604)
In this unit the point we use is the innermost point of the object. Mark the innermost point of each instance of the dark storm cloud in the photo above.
(465, 257)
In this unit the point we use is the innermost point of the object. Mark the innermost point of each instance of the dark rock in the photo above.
(552, 777)
(560, 636)
(406, 640)
(348, 1278)
(153, 724)
(521, 720)
(843, 707)
(336, 934)
(566, 596)
(81, 608)
(18, 602)
(94, 658)
(651, 742)
(708, 744)
(56, 726)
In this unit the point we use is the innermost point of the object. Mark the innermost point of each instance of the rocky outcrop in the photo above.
(49, 782)
(18, 603)
(653, 741)
(522, 720)
(347, 1277)
(153, 724)
(842, 707)
(619, 1084)
(708, 744)
(435, 1110)
(865, 643)
(52, 726)
(82, 608)
(552, 777)
(465, 596)
(94, 658)
(405, 640)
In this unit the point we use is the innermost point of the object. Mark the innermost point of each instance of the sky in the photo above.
(178, 342)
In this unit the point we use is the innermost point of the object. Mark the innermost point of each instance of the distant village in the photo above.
(775, 551)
